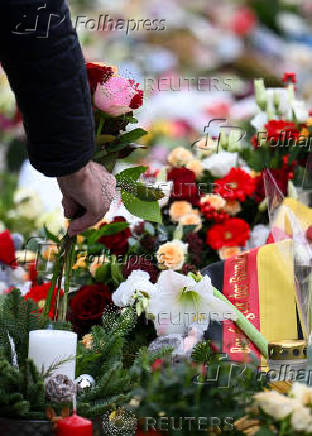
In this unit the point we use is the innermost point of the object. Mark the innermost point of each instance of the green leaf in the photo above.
(107, 230)
(147, 210)
(50, 235)
(103, 273)
(132, 136)
(130, 174)
(116, 273)
(264, 431)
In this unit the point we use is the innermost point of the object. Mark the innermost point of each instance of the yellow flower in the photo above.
(179, 156)
(179, 209)
(192, 219)
(196, 166)
(214, 200)
(171, 255)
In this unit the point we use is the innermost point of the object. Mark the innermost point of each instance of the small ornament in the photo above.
(84, 382)
(60, 389)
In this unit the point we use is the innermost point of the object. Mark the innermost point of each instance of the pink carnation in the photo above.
(117, 96)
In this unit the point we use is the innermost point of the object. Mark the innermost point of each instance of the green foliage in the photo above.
(183, 390)
(17, 318)
(21, 390)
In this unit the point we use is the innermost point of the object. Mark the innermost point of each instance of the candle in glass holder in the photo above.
(49, 347)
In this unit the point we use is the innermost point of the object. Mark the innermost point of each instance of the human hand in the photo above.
(91, 188)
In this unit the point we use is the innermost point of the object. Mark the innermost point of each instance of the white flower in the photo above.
(28, 203)
(182, 302)
(302, 393)
(137, 282)
(54, 221)
(259, 121)
(276, 405)
(301, 419)
(301, 112)
(220, 164)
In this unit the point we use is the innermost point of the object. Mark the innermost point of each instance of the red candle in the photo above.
(74, 426)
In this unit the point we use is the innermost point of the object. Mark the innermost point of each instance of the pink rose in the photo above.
(117, 96)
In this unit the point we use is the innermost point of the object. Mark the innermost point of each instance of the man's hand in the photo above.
(91, 188)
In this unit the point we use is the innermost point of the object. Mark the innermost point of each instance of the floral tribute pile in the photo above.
(122, 286)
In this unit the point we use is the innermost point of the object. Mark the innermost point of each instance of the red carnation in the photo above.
(89, 302)
(281, 132)
(39, 295)
(290, 77)
(118, 243)
(184, 185)
(236, 185)
(233, 233)
(98, 73)
(139, 262)
(7, 249)
(157, 364)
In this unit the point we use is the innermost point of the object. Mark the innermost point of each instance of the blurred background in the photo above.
(198, 64)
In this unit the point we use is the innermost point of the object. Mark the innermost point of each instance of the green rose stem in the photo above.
(63, 263)
(242, 322)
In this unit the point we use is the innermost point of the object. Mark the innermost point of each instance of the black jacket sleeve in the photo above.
(41, 55)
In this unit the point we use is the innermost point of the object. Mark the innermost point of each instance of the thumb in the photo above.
(79, 225)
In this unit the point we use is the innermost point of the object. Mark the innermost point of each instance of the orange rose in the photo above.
(99, 261)
(232, 207)
(196, 166)
(215, 201)
(171, 255)
(179, 157)
(179, 209)
(192, 219)
(227, 252)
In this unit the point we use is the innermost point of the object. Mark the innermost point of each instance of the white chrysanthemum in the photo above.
(138, 281)
(302, 393)
(182, 302)
(220, 164)
(301, 419)
(276, 405)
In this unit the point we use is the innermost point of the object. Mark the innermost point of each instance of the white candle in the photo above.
(48, 347)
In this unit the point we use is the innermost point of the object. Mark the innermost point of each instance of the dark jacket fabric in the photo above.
(41, 55)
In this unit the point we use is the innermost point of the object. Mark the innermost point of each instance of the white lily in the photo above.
(185, 301)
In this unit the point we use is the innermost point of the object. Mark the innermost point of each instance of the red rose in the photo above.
(233, 233)
(184, 185)
(118, 243)
(39, 295)
(281, 132)
(89, 302)
(139, 262)
(237, 185)
(137, 100)
(98, 73)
